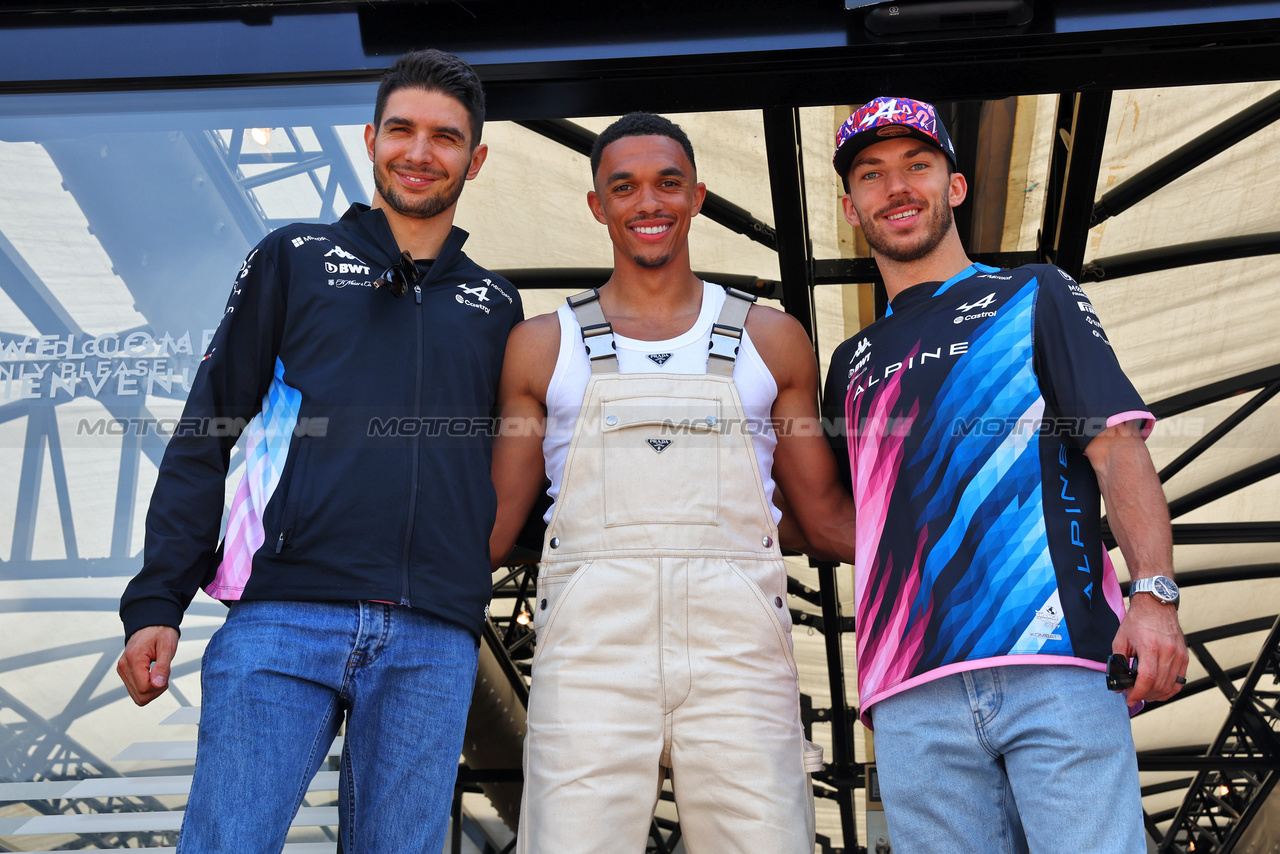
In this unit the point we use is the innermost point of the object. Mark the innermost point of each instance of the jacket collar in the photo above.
(370, 226)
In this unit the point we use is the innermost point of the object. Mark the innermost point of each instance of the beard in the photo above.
(937, 223)
(652, 262)
(445, 197)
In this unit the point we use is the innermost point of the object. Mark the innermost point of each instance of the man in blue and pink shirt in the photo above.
(985, 415)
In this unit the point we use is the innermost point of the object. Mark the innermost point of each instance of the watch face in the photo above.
(1165, 588)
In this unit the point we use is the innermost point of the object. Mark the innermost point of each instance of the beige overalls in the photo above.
(662, 624)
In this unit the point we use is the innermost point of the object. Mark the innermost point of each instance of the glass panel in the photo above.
(123, 220)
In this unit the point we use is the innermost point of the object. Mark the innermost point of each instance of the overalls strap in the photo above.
(726, 332)
(597, 333)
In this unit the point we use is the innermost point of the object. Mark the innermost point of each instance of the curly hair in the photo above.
(639, 124)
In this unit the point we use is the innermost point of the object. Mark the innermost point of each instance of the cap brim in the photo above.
(843, 159)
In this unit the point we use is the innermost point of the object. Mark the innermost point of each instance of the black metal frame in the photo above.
(1241, 767)
(738, 56)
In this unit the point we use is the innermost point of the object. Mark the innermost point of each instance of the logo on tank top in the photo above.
(659, 358)
(658, 445)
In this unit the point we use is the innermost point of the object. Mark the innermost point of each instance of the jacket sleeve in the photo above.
(185, 516)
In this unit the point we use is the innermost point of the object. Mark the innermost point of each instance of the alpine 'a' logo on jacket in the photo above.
(658, 445)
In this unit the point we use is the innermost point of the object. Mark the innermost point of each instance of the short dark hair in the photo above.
(435, 71)
(639, 124)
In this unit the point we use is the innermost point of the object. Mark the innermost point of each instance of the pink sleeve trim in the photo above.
(962, 666)
(1148, 420)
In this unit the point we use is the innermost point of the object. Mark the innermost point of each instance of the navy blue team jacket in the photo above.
(368, 439)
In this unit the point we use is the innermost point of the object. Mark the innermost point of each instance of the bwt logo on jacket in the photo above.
(331, 267)
(358, 267)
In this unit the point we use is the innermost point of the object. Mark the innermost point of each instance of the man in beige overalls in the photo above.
(663, 410)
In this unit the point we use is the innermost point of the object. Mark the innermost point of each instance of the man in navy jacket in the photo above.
(361, 360)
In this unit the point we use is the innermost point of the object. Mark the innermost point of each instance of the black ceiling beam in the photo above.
(1196, 686)
(581, 278)
(1176, 404)
(1224, 427)
(1223, 575)
(1079, 138)
(1213, 533)
(1183, 255)
(1216, 533)
(1207, 763)
(1166, 786)
(1187, 157)
(1217, 675)
(1224, 486)
(963, 120)
(790, 214)
(1180, 750)
(714, 207)
(848, 271)
(557, 59)
(1232, 630)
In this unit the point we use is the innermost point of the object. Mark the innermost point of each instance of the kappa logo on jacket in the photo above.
(861, 356)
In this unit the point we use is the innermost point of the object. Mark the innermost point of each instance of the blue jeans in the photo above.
(277, 678)
(1010, 759)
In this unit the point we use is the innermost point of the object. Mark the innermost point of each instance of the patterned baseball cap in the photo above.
(887, 118)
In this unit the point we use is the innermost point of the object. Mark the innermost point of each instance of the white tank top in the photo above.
(684, 354)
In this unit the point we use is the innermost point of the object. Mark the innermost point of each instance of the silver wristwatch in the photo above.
(1160, 586)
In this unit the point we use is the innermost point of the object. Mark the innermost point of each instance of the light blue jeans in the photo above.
(1019, 758)
(277, 678)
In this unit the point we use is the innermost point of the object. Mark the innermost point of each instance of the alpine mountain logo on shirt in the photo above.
(341, 253)
(968, 311)
(338, 268)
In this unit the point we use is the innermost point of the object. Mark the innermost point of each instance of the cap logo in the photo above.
(886, 118)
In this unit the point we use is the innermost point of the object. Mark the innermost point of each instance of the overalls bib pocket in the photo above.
(661, 459)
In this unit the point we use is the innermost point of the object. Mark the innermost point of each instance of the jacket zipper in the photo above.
(413, 468)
